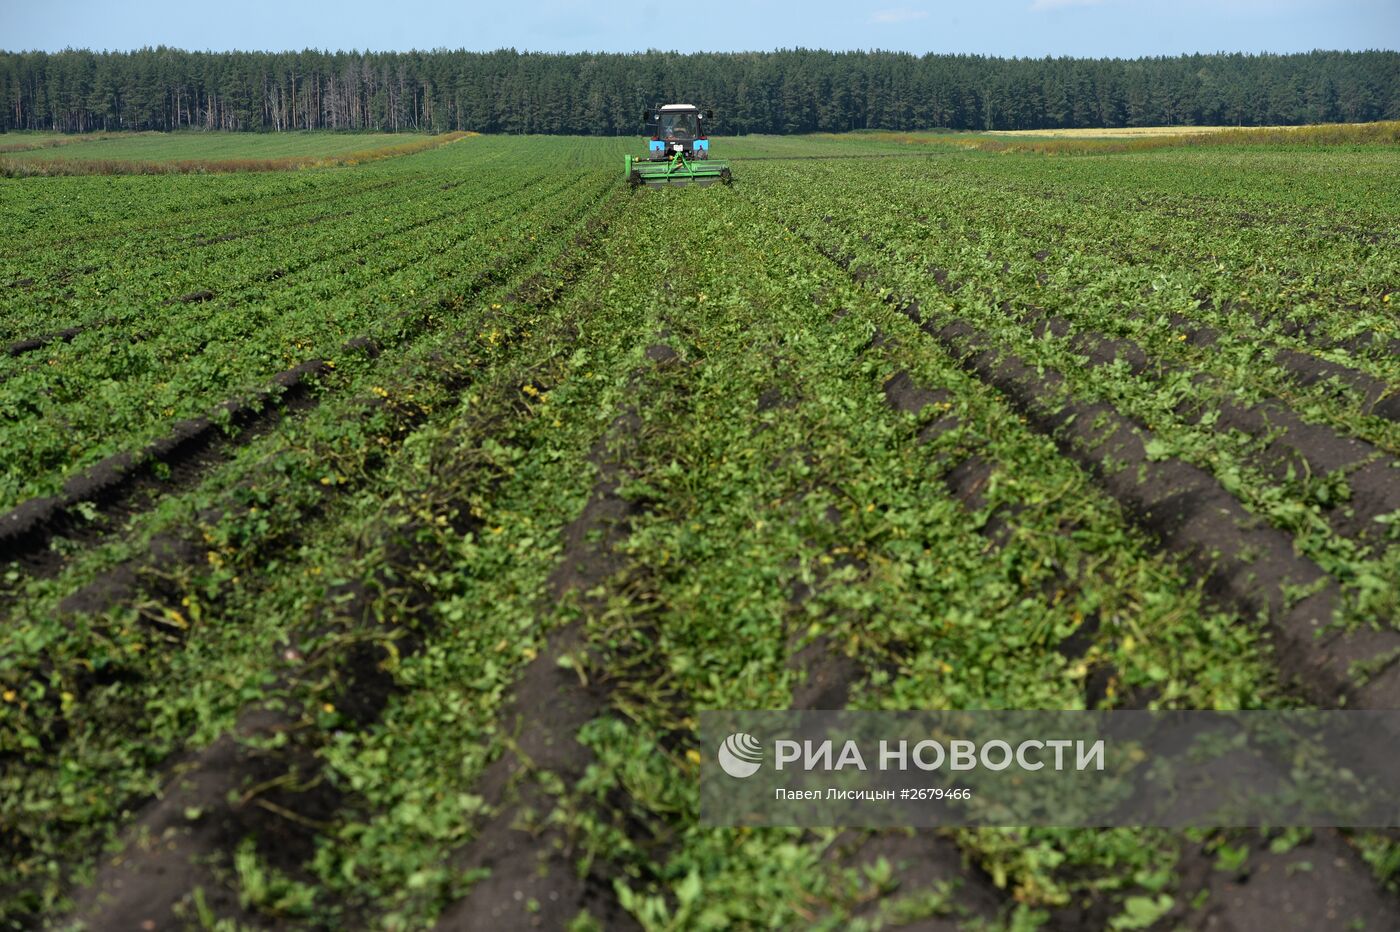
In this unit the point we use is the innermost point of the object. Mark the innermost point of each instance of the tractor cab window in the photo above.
(678, 126)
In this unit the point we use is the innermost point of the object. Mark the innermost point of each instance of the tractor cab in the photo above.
(678, 128)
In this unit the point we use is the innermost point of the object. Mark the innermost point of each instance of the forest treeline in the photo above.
(791, 91)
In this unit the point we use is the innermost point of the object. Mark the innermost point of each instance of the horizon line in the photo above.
(654, 51)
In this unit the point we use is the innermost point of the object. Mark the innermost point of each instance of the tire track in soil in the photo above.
(127, 483)
(1250, 567)
(1373, 396)
(966, 482)
(1345, 889)
(966, 477)
(1342, 890)
(1377, 397)
(264, 779)
(165, 466)
(526, 859)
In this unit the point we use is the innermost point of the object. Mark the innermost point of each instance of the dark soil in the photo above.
(1377, 397)
(902, 394)
(193, 297)
(527, 861)
(923, 860)
(200, 818)
(772, 398)
(20, 347)
(1320, 884)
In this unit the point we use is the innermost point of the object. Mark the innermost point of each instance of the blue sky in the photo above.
(1126, 28)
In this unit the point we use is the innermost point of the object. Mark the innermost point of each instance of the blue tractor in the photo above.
(679, 150)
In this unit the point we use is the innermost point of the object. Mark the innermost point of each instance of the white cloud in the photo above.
(898, 15)
(1040, 6)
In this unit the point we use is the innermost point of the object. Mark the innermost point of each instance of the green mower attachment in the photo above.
(677, 171)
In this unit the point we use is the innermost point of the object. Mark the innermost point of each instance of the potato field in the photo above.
(372, 533)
